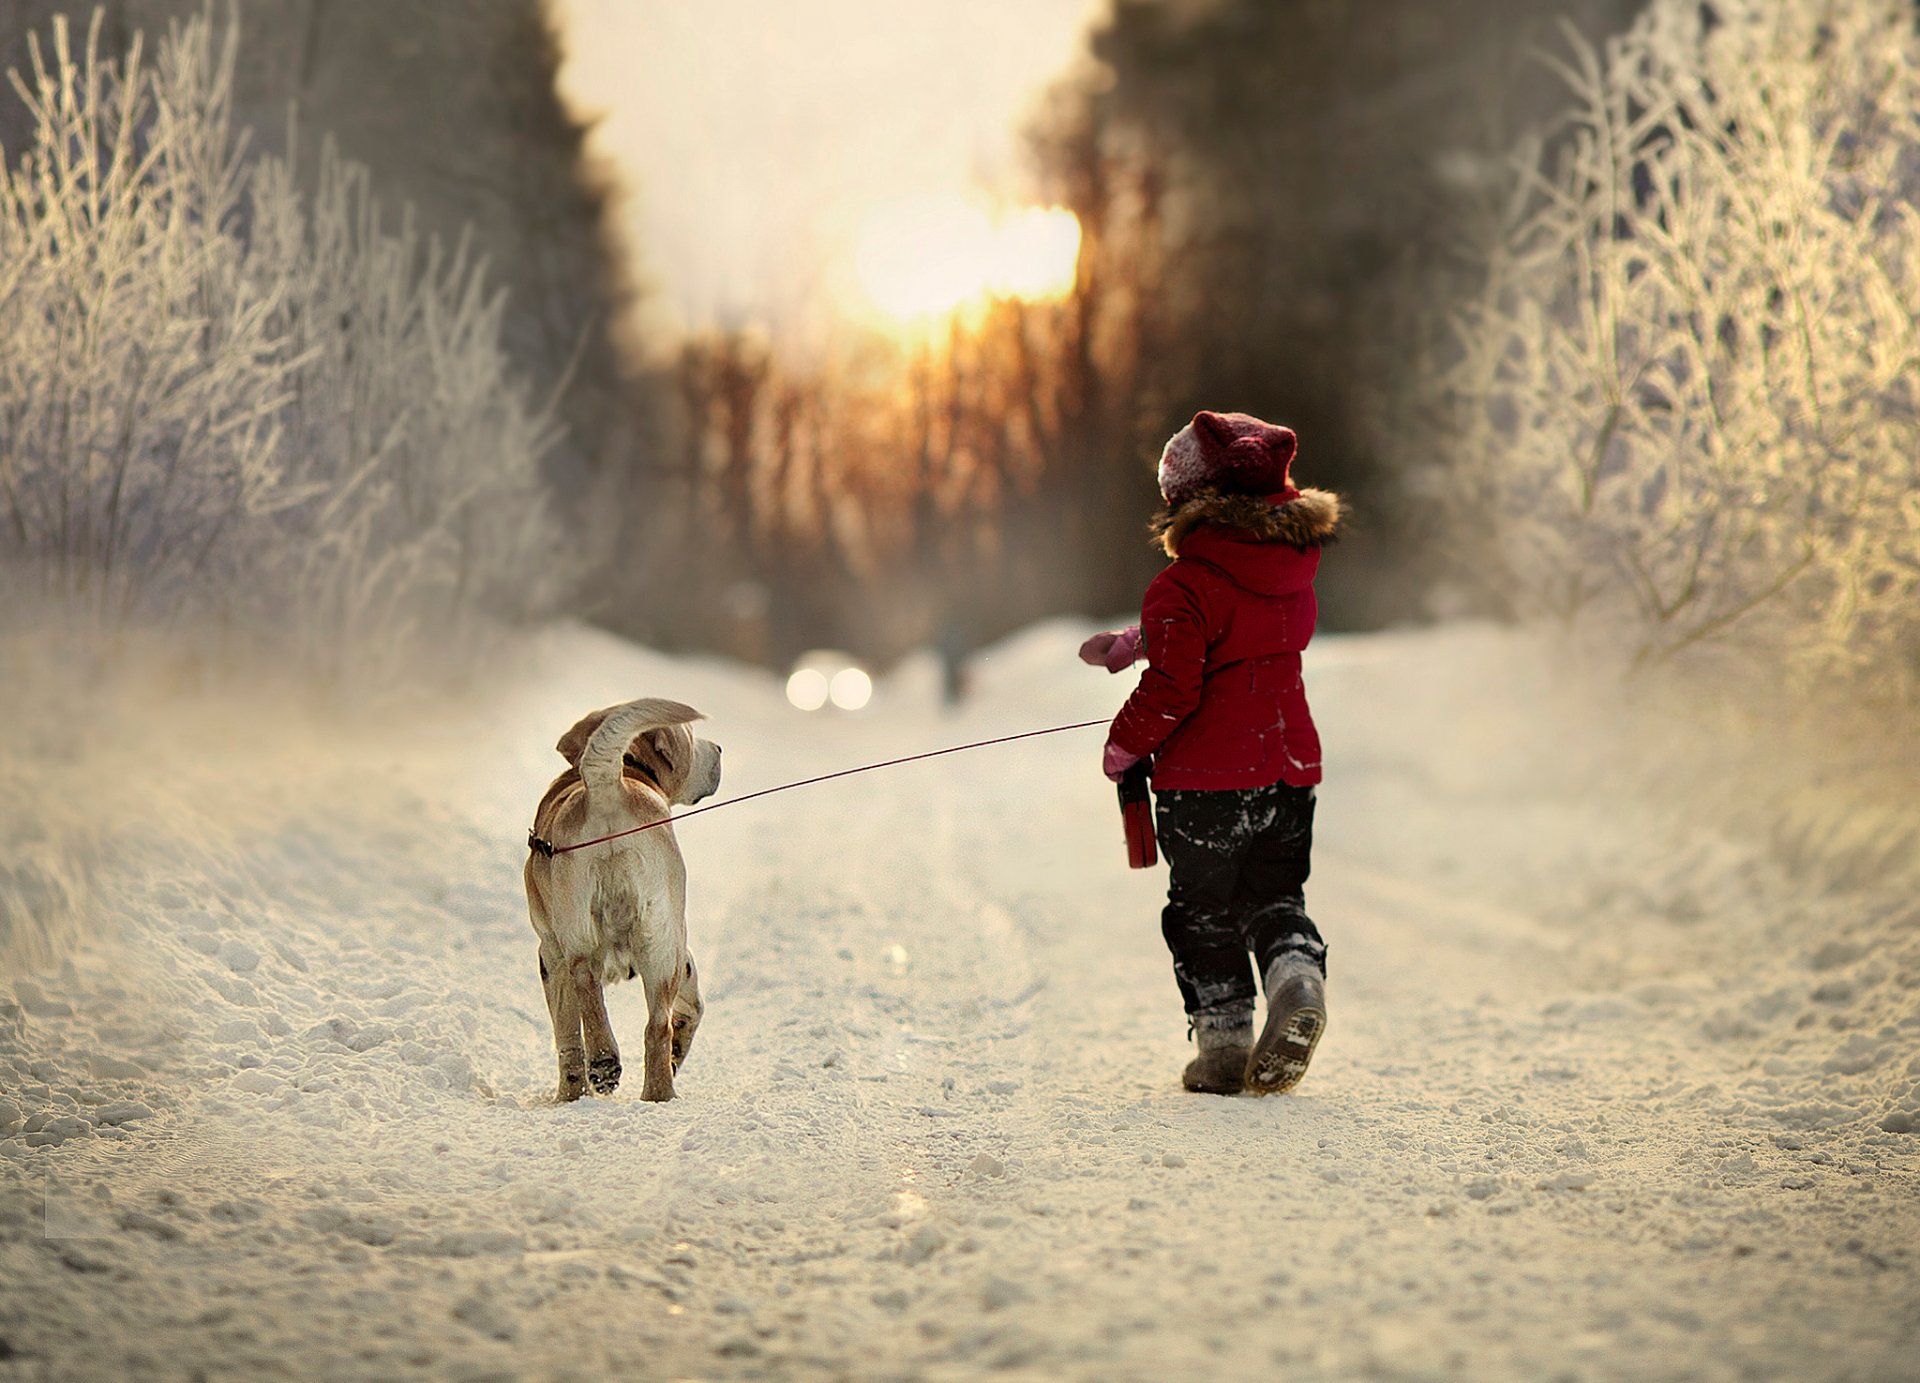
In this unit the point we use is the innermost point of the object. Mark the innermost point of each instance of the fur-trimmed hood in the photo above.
(1310, 519)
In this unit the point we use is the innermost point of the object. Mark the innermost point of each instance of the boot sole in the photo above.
(1285, 1047)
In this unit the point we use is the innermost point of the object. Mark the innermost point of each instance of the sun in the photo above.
(928, 258)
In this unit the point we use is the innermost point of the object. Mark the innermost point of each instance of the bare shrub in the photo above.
(1686, 399)
(223, 401)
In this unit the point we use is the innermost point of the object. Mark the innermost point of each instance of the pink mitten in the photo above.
(1094, 651)
(1115, 652)
(1116, 761)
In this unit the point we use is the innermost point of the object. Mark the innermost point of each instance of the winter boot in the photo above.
(1296, 1016)
(1225, 1041)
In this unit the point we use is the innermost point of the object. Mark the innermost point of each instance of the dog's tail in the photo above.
(600, 765)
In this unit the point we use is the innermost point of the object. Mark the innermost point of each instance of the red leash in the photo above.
(549, 849)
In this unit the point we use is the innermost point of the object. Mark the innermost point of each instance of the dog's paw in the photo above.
(604, 1074)
(573, 1084)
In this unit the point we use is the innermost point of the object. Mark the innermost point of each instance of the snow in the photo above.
(1607, 1091)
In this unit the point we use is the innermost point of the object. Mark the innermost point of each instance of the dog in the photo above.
(617, 910)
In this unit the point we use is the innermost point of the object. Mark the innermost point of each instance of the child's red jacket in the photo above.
(1222, 704)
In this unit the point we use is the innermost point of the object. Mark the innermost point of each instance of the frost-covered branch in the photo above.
(1687, 394)
(223, 398)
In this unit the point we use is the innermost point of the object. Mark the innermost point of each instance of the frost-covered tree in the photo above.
(1688, 398)
(222, 399)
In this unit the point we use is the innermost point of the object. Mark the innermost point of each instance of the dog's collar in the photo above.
(645, 771)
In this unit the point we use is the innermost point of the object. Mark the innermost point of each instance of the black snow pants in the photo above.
(1238, 860)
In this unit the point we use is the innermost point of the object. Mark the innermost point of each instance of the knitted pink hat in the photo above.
(1236, 452)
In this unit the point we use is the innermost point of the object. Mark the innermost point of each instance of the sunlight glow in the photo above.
(928, 258)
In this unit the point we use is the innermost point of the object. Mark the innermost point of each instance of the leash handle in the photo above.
(549, 849)
(1136, 816)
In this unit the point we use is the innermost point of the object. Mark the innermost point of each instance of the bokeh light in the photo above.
(807, 689)
(851, 689)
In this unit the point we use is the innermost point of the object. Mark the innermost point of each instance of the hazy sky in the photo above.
(753, 136)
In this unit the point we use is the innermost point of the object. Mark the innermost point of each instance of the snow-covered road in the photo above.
(1604, 1094)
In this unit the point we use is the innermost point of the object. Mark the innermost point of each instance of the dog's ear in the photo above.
(574, 743)
(668, 753)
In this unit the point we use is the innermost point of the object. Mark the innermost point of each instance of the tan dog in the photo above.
(618, 910)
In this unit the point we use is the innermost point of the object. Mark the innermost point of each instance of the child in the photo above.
(1222, 714)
